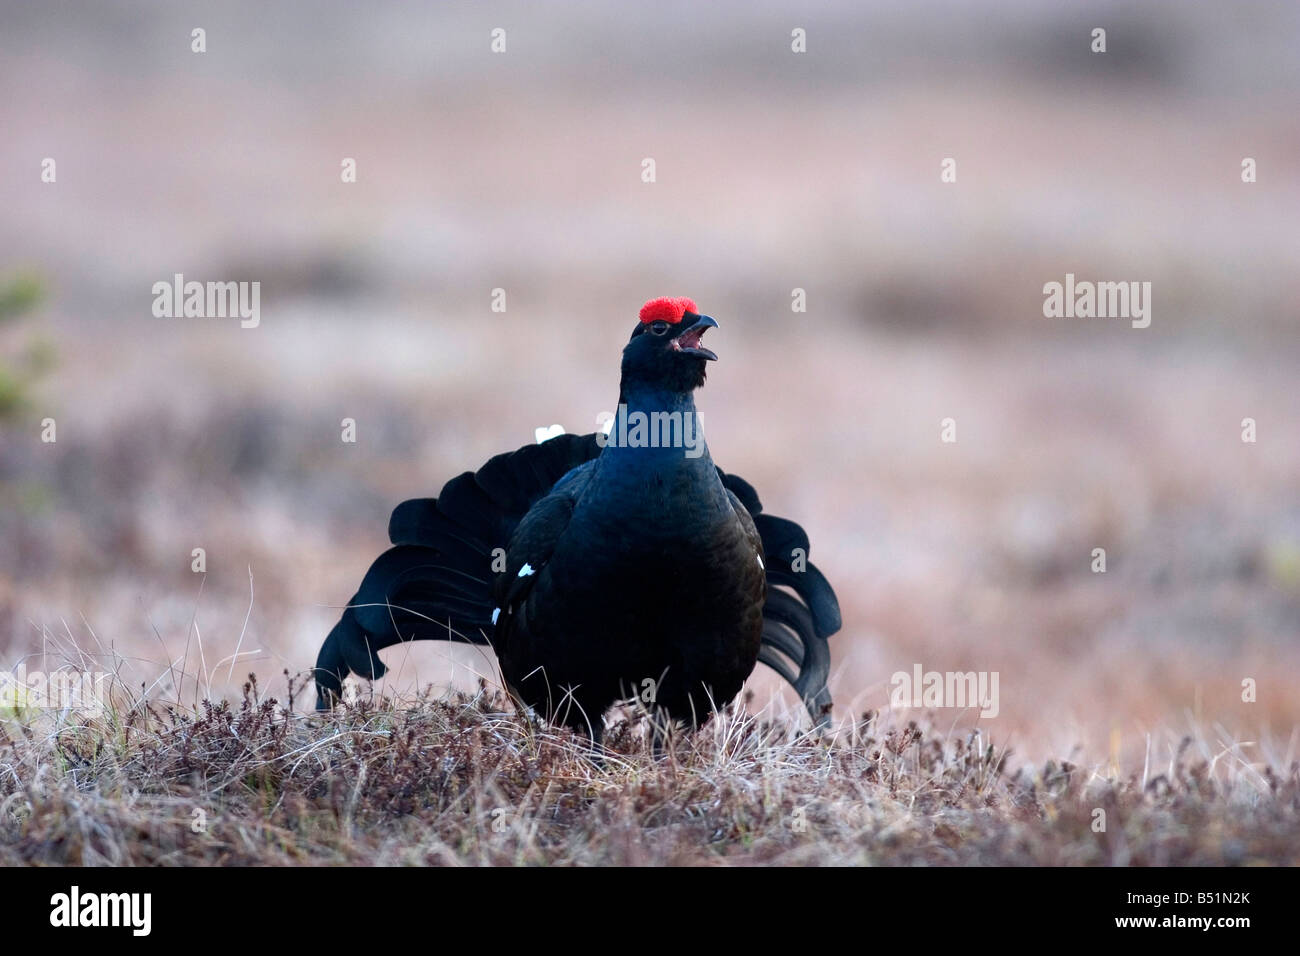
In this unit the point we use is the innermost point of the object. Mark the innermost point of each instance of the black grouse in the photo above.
(604, 567)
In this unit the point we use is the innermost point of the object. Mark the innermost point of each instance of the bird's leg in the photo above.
(661, 731)
(532, 719)
(657, 743)
(598, 742)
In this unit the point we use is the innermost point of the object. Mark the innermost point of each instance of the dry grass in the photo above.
(464, 780)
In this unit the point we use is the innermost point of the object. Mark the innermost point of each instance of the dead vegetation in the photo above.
(464, 780)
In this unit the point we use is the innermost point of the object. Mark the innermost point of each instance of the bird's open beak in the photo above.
(689, 341)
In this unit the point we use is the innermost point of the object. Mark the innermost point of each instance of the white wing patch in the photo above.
(526, 570)
(496, 613)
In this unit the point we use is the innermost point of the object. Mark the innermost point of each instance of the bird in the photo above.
(617, 566)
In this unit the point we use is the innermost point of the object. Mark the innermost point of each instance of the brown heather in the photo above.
(465, 780)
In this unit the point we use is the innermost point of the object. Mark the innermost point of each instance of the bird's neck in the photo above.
(656, 442)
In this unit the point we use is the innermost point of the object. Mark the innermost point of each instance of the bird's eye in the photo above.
(659, 328)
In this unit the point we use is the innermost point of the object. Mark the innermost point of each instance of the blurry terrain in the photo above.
(775, 171)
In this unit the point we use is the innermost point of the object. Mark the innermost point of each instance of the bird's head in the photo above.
(664, 351)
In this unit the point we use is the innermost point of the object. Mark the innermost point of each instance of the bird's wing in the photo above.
(530, 549)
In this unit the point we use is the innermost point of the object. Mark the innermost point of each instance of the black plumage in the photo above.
(600, 569)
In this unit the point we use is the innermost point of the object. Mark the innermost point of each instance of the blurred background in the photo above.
(775, 171)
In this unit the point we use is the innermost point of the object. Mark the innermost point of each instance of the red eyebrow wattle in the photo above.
(667, 309)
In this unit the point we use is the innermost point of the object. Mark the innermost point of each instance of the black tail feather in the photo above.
(795, 627)
(436, 582)
(330, 668)
(768, 655)
(344, 652)
(816, 591)
(783, 608)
